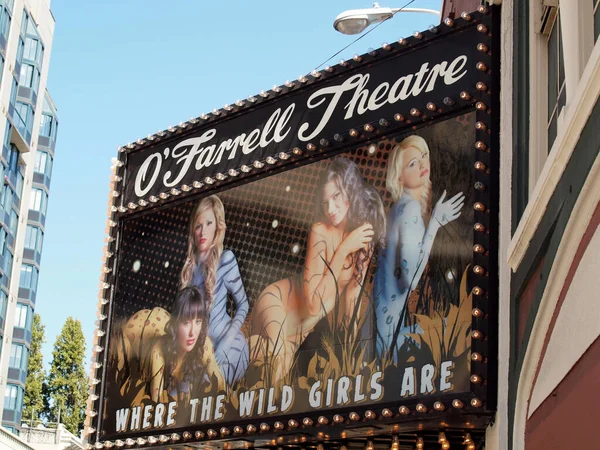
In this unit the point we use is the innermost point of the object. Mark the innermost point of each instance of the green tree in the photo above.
(33, 401)
(67, 384)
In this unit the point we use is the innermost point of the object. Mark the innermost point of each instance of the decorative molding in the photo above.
(575, 120)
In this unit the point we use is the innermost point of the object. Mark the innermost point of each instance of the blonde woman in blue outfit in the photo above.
(215, 270)
(411, 230)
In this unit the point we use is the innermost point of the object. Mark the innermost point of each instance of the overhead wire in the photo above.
(363, 35)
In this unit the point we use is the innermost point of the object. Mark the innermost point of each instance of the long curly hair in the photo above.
(190, 304)
(211, 263)
(365, 204)
(395, 165)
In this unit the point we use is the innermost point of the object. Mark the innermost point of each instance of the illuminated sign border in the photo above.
(481, 97)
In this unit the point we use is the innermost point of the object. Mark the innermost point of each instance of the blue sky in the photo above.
(121, 70)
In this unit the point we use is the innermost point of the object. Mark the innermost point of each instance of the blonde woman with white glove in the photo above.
(411, 230)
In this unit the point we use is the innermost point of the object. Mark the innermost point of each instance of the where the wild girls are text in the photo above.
(345, 391)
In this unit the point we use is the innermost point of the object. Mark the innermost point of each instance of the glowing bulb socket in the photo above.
(478, 270)
(476, 379)
(477, 313)
(457, 404)
(476, 334)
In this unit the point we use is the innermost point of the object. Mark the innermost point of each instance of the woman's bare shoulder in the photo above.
(321, 228)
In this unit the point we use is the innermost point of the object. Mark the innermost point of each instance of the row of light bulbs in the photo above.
(292, 424)
(468, 442)
(97, 350)
(301, 80)
(296, 151)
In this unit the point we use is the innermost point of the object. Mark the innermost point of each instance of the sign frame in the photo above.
(476, 407)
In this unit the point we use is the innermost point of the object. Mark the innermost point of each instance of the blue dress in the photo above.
(399, 269)
(230, 345)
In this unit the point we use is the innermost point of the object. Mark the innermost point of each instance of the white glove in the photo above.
(445, 212)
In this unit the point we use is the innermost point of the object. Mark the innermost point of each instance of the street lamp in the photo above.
(355, 21)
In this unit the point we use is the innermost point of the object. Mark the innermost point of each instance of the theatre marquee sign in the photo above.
(320, 254)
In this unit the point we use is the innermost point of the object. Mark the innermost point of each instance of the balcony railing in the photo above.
(12, 442)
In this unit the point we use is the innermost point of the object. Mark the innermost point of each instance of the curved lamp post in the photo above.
(355, 21)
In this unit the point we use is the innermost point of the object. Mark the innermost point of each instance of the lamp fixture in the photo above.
(355, 21)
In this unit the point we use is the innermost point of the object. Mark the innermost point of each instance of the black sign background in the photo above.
(447, 50)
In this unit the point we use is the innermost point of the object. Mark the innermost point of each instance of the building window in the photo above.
(1, 67)
(18, 357)
(24, 23)
(48, 126)
(34, 50)
(38, 200)
(30, 77)
(7, 198)
(21, 316)
(13, 158)
(7, 134)
(3, 235)
(20, 51)
(13, 92)
(43, 163)
(557, 92)
(24, 119)
(29, 277)
(3, 305)
(19, 185)
(4, 21)
(34, 238)
(14, 222)
(8, 262)
(13, 397)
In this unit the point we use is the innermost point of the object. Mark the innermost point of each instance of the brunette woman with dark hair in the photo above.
(351, 220)
(182, 358)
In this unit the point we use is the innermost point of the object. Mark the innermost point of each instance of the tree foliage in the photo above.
(67, 383)
(33, 401)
